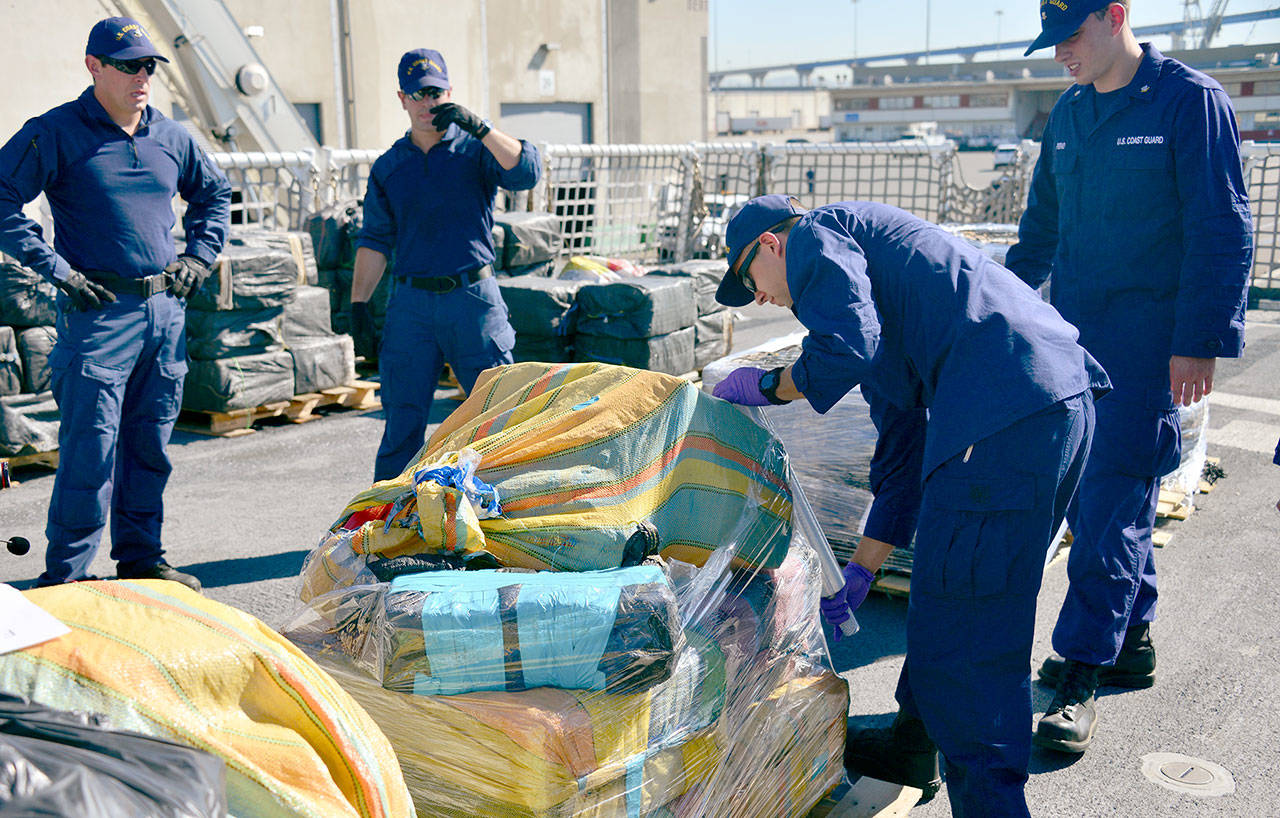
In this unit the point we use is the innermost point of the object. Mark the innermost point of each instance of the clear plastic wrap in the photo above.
(661, 688)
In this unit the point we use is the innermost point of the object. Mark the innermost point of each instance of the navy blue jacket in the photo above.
(111, 194)
(923, 321)
(1143, 221)
(434, 213)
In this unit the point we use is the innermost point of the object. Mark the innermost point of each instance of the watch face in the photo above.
(769, 382)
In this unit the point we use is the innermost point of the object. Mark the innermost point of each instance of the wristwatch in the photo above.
(769, 383)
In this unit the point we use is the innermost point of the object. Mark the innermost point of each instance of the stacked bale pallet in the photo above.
(525, 243)
(28, 314)
(713, 329)
(644, 322)
(543, 313)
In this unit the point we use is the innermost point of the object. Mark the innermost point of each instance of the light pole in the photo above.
(999, 20)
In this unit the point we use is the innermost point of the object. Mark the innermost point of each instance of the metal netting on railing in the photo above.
(345, 174)
(1262, 175)
(275, 191)
(631, 201)
(914, 177)
(1001, 202)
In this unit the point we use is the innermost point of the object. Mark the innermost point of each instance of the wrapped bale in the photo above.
(214, 335)
(540, 268)
(594, 630)
(322, 363)
(577, 454)
(69, 763)
(641, 307)
(10, 363)
(242, 382)
(27, 299)
(546, 350)
(248, 278)
(156, 658)
(527, 238)
(712, 337)
(542, 307)
(308, 315)
(334, 231)
(705, 275)
(671, 353)
(297, 242)
(35, 345)
(28, 424)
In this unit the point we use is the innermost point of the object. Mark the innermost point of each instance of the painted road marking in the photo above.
(1266, 405)
(1247, 435)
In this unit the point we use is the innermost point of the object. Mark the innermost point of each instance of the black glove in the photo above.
(447, 112)
(85, 294)
(188, 274)
(362, 332)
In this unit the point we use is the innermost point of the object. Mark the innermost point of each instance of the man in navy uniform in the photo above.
(110, 165)
(430, 207)
(1138, 211)
(925, 322)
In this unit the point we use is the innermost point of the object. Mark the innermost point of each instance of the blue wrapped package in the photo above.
(451, 632)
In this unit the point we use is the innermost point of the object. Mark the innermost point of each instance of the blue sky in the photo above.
(745, 33)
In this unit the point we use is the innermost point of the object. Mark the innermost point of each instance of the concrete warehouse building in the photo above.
(545, 70)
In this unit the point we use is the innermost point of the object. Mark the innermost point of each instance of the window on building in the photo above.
(942, 101)
(988, 100)
(1262, 89)
(853, 104)
(897, 103)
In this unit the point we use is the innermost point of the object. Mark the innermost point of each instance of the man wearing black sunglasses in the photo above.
(430, 206)
(926, 323)
(110, 165)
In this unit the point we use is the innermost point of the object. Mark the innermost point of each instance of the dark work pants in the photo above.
(466, 327)
(1111, 566)
(986, 521)
(117, 376)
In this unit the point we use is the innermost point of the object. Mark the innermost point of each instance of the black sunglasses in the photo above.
(743, 275)
(429, 91)
(131, 67)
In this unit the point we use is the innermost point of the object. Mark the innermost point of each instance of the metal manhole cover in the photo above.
(1189, 775)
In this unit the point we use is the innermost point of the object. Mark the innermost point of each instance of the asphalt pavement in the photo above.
(243, 512)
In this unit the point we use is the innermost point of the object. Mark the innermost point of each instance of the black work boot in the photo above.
(1135, 667)
(162, 570)
(1068, 724)
(902, 753)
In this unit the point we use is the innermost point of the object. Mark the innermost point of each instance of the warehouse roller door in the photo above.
(556, 123)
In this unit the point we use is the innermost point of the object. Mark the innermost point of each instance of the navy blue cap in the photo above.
(422, 68)
(1059, 19)
(763, 214)
(121, 38)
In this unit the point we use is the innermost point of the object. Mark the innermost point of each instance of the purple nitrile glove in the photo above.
(841, 605)
(742, 387)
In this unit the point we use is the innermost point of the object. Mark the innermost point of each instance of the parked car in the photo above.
(1004, 155)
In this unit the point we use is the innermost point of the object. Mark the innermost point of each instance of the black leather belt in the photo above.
(444, 284)
(144, 287)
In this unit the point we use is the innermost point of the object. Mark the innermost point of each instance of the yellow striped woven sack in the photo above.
(159, 659)
(580, 455)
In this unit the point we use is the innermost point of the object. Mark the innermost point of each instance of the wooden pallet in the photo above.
(1174, 505)
(360, 396)
(872, 798)
(893, 584)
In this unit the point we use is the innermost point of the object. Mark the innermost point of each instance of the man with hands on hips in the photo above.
(430, 205)
(983, 404)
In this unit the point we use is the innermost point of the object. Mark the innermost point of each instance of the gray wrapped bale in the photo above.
(242, 382)
(248, 278)
(27, 299)
(34, 345)
(640, 307)
(712, 337)
(527, 238)
(322, 363)
(308, 315)
(705, 274)
(544, 350)
(10, 363)
(213, 335)
(538, 306)
(28, 424)
(671, 353)
(296, 242)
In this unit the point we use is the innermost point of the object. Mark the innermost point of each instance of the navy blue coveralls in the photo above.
(116, 372)
(1138, 210)
(927, 323)
(433, 213)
